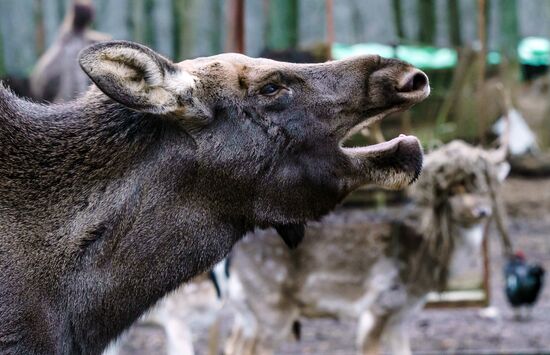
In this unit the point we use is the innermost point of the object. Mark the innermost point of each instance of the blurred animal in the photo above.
(113, 200)
(523, 283)
(193, 307)
(377, 267)
(57, 76)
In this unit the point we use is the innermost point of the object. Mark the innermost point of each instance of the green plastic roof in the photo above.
(428, 57)
(531, 50)
(534, 51)
(421, 57)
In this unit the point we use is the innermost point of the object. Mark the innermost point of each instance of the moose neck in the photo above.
(111, 210)
(70, 145)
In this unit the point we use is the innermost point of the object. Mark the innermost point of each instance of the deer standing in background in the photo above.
(113, 200)
(57, 76)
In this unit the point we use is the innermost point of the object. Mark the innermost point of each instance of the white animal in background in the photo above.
(192, 308)
(522, 138)
(364, 264)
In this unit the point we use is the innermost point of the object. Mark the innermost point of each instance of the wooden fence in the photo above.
(189, 28)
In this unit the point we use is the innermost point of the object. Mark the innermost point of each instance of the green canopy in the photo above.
(534, 51)
(421, 57)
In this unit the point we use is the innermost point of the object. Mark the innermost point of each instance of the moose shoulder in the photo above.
(111, 201)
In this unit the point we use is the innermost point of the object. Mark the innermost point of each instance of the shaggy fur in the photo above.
(106, 204)
(373, 266)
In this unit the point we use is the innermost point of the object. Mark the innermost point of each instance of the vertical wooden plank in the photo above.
(509, 28)
(2, 66)
(426, 12)
(51, 20)
(235, 32)
(312, 22)
(138, 25)
(482, 59)
(184, 29)
(112, 17)
(453, 15)
(283, 24)
(216, 26)
(329, 16)
(17, 28)
(398, 19)
(163, 27)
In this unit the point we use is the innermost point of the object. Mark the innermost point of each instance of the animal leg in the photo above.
(179, 340)
(369, 333)
(398, 338)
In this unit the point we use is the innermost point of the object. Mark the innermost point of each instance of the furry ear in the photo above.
(136, 76)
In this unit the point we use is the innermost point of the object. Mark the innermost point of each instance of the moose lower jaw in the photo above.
(392, 165)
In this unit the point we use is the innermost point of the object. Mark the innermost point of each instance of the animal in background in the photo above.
(57, 76)
(193, 307)
(523, 284)
(376, 267)
(115, 199)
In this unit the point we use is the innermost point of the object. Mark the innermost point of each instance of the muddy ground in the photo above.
(453, 331)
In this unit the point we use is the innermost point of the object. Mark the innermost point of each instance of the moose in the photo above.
(111, 201)
(57, 76)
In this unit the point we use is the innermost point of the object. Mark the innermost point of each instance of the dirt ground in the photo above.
(453, 331)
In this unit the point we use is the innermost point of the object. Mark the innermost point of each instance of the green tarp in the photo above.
(531, 50)
(421, 57)
(534, 51)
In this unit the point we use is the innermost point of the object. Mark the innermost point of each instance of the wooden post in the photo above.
(18, 36)
(235, 40)
(453, 14)
(482, 36)
(426, 12)
(183, 36)
(509, 28)
(398, 19)
(2, 67)
(482, 61)
(163, 27)
(216, 38)
(329, 8)
(283, 24)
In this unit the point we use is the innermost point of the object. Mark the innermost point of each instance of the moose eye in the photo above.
(270, 89)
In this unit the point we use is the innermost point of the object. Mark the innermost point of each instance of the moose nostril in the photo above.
(414, 82)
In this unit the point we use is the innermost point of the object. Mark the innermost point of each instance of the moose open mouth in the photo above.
(402, 156)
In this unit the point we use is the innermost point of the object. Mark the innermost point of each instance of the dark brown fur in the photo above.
(106, 206)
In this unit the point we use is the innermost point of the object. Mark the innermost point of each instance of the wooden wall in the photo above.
(189, 28)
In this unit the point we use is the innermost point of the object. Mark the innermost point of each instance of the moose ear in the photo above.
(136, 76)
